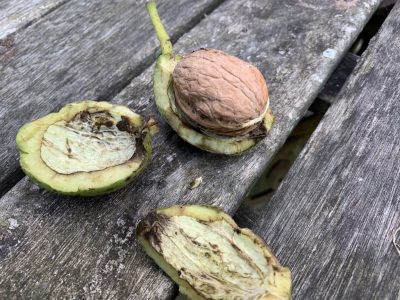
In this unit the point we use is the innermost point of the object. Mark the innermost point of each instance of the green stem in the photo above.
(163, 37)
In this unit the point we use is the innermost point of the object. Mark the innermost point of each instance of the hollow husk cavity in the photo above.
(224, 142)
(203, 250)
(87, 148)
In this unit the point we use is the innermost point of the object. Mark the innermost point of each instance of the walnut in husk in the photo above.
(213, 100)
(203, 250)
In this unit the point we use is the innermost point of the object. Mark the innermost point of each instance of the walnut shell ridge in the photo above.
(219, 93)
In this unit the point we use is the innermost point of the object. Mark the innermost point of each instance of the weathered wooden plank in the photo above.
(333, 218)
(17, 14)
(75, 247)
(84, 50)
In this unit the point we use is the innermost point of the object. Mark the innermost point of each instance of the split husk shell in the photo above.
(88, 148)
(204, 251)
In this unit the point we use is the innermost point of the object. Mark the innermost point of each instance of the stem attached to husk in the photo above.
(163, 37)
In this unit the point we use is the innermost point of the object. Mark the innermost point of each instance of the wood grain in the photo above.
(333, 218)
(84, 50)
(72, 247)
(18, 14)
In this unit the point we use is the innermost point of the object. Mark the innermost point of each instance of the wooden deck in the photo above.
(60, 247)
(334, 216)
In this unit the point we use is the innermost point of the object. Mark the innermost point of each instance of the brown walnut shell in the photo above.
(219, 93)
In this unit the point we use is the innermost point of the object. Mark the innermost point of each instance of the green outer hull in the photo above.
(28, 144)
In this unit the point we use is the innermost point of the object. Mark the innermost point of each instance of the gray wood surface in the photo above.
(17, 14)
(84, 50)
(333, 218)
(57, 246)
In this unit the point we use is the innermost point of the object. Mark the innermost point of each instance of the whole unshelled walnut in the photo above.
(219, 93)
(213, 100)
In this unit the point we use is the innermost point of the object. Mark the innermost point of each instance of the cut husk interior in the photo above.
(88, 148)
(203, 250)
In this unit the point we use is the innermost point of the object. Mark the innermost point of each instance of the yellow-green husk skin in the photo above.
(154, 231)
(164, 96)
(92, 183)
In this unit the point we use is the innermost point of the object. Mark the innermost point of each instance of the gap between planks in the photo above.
(16, 21)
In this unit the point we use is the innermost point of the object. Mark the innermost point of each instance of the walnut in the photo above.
(212, 100)
(219, 93)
